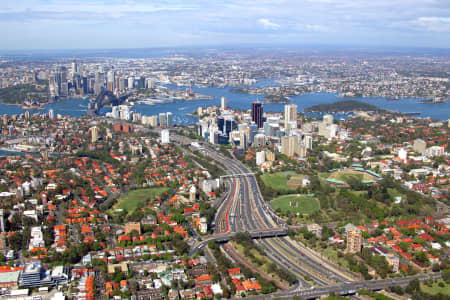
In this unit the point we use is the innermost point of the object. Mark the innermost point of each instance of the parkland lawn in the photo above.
(347, 176)
(279, 181)
(295, 203)
(436, 289)
(135, 198)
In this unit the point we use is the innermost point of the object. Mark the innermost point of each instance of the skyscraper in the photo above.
(165, 136)
(308, 141)
(94, 134)
(223, 103)
(51, 113)
(253, 128)
(289, 145)
(221, 124)
(84, 83)
(130, 83)
(111, 76)
(141, 82)
(61, 80)
(162, 120)
(74, 67)
(257, 114)
(230, 125)
(290, 113)
(169, 119)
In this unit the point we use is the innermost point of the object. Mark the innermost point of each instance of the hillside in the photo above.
(346, 105)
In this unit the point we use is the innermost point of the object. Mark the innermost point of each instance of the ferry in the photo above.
(32, 106)
(153, 101)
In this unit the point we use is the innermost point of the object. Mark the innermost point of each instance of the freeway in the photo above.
(246, 211)
(243, 209)
(348, 288)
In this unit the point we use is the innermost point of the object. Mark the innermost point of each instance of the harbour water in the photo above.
(179, 109)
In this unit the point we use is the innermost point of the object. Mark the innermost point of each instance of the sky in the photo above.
(94, 24)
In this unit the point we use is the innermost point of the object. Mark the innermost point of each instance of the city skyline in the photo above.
(42, 24)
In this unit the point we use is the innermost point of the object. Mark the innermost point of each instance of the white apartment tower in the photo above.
(223, 103)
(290, 113)
(165, 137)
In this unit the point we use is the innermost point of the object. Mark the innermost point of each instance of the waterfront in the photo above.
(78, 107)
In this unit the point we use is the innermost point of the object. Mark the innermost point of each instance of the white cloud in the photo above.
(312, 28)
(268, 25)
(435, 24)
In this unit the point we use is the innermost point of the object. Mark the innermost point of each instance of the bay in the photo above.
(77, 107)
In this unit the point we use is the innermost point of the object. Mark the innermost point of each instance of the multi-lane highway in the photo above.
(243, 209)
(246, 211)
(348, 288)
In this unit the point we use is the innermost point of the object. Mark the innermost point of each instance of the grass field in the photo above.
(347, 176)
(296, 203)
(436, 289)
(278, 181)
(295, 181)
(134, 199)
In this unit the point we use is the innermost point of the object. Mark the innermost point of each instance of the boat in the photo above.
(31, 107)
(392, 99)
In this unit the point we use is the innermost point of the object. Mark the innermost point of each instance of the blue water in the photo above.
(77, 107)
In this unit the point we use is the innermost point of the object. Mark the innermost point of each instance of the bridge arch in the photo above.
(104, 98)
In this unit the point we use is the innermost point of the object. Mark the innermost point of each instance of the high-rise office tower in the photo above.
(257, 114)
(74, 67)
(162, 120)
(289, 145)
(141, 82)
(111, 76)
(253, 128)
(230, 125)
(84, 83)
(51, 113)
(122, 84)
(223, 103)
(290, 113)
(61, 80)
(150, 83)
(243, 140)
(221, 124)
(169, 119)
(308, 141)
(130, 83)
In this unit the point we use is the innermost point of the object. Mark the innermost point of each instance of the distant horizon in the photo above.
(220, 47)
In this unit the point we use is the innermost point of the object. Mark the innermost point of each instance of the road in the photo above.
(348, 288)
(243, 210)
(246, 211)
